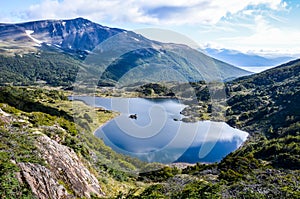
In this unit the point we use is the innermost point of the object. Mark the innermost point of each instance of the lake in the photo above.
(156, 135)
(256, 69)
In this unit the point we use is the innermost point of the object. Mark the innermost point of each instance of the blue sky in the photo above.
(260, 26)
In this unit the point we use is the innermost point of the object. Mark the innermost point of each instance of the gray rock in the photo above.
(66, 165)
(42, 181)
(65, 175)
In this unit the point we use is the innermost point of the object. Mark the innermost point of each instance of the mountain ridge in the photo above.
(238, 58)
(82, 39)
(68, 34)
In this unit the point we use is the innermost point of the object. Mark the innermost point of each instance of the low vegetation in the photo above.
(39, 68)
(33, 110)
(266, 166)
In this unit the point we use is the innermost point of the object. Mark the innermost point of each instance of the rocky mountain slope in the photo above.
(70, 35)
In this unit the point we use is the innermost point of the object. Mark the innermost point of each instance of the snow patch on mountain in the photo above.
(29, 34)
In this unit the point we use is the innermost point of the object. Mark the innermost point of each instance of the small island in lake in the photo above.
(133, 116)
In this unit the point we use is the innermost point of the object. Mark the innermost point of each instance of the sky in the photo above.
(258, 26)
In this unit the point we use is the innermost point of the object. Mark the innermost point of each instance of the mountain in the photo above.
(71, 35)
(158, 62)
(238, 58)
(99, 51)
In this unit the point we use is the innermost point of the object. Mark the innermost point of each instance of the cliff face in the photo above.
(64, 176)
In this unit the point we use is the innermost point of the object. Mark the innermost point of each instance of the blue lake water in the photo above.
(156, 137)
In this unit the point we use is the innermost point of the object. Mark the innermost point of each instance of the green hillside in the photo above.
(269, 99)
(26, 111)
(171, 63)
(43, 67)
(266, 166)
(268, 104)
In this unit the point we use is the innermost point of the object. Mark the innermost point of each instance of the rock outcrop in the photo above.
(65, 176)
(42, 181)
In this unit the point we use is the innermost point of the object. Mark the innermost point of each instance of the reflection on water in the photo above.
(155, 136)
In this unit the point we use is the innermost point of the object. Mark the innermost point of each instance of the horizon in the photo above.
(263, 27)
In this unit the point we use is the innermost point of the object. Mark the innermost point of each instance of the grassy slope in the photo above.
(42, 110)
(151, 65)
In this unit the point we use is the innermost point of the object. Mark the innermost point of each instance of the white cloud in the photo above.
(144, 11)
(276, 40)
(239, 24)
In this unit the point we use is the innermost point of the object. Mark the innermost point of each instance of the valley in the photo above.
(52, 147)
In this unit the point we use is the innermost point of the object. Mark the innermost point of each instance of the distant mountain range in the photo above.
(238, 58)
(105, 52)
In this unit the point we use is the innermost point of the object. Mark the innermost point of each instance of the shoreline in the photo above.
(116, 114)
(94, 132)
